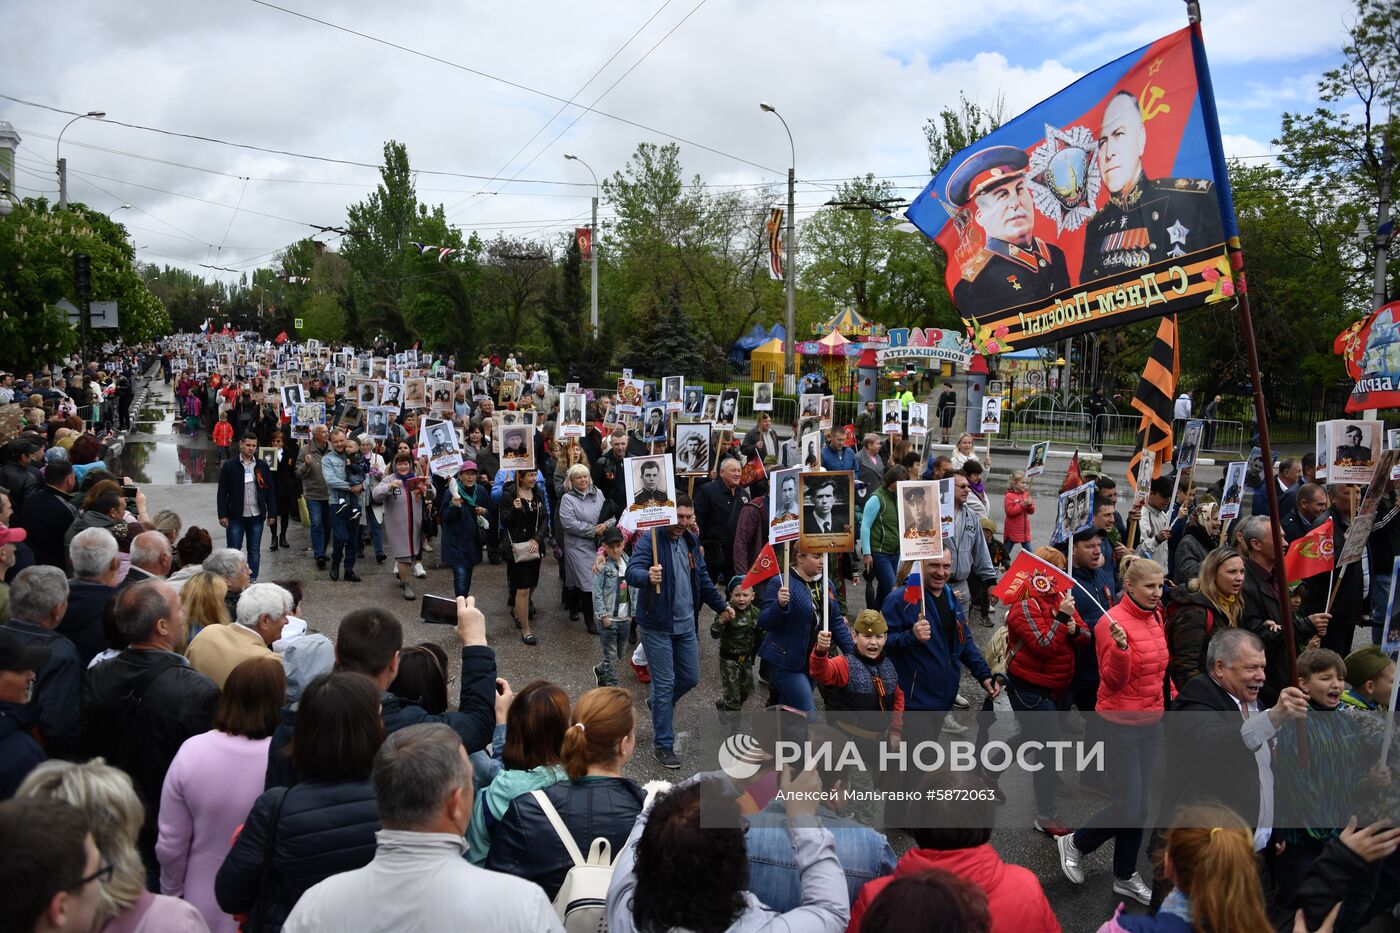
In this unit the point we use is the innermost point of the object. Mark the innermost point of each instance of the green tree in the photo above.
(37, 246)
(565, 322)
(856, 259)
(956, 128)
(515, 282)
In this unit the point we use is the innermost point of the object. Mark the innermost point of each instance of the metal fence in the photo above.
(1222, 439)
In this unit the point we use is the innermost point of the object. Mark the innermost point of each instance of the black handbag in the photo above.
(257, 921)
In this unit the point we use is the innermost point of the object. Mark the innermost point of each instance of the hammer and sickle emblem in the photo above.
(1147, 102)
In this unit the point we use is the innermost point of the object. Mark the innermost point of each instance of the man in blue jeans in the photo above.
(671, 583)
(246, 499)
(313, 488)
(344, 500)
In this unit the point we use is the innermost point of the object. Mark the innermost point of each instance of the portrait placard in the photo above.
(651, 490)
(784, 505)
(920, 524)
(694, 456)
(828, 504)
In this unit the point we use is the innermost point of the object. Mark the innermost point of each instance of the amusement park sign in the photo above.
(925, 344)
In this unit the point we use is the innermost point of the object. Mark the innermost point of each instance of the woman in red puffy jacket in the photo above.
(1043, 632)
(1131, 646)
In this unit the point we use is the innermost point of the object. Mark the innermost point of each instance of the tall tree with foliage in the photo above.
(577, 353)
(515, 284)
(37, 246)
(1348, 145)
(855, 259)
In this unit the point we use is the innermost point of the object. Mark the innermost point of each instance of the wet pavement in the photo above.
(159, 449)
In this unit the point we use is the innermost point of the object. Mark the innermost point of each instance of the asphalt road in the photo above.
(566, 654)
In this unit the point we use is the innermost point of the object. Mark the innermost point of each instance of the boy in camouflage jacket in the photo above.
(738, 639)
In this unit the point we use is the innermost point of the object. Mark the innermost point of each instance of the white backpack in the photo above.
(582, 899)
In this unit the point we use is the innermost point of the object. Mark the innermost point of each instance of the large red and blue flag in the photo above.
(1105, 204)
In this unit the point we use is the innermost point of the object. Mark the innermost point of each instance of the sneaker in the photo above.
(643, 673)
(1133, 887)
(668, 759)
(598, 675)
(961, 702)
(1070, 860)
(418, 570)
(427, 548)
(408, 592)
(952, 726)
(1052, 827)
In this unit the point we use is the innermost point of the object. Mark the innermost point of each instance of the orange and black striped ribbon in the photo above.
(1154, 397)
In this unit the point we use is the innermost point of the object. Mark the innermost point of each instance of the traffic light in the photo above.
(82, 275)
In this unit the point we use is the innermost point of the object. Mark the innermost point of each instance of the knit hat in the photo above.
(869, 622)
(1366, 664)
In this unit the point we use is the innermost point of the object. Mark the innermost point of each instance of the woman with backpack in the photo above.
(1043, 632)
(1209, 602)
(596, 802)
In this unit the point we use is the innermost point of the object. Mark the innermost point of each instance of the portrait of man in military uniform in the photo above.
(1144, 220)
(1013, 266)
(649, 486)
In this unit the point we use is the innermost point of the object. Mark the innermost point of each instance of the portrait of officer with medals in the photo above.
(1013, 266)
(1144, 220)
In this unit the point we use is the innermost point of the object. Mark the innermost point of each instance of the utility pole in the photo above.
(1381, 243)
(82, 286)
(593, 255)
(62, 162)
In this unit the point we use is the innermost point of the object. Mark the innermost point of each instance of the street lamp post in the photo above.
(789, 272)
(62, 162)
(592, 242)
(124, 207)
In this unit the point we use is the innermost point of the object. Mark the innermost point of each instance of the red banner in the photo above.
(584, 236)
(1313, 553)
(1027, 570)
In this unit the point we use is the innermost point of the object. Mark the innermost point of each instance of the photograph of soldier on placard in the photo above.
(1353, 447)
(809, 405)
(1232, 491)
(728, 410)
(517, 447)
(377, 422)
(810, 450)
(827, 503)
(710, 410)
(672, 390)
(1076, 512)
(572, 406)
(392, 396)
(920, 528)
(292, 396)
(693, 449)
(369, 393)
(650, 487)
(415, 393)
(442, 396)
(763, 396)
(784, 506)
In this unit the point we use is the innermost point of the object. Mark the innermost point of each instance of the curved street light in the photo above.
(592, 242)
(789, 272)
(62, 163)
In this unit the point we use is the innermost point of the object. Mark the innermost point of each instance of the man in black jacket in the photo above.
(247, 498)
(1260, 612)
(609, 471)
(96, 563)
(47, 513)
(717, 512)
(368, 643)
(1349, 607)
(14, 471)
(38, 599)
(1309, 503)
(141, 706)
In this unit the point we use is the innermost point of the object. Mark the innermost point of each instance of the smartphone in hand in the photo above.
(439, 610)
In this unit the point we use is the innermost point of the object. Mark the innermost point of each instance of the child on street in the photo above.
(737, 642)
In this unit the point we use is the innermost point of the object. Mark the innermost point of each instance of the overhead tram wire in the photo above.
(515, 84)
(562, 108)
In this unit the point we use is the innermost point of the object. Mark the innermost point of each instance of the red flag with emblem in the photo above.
(765, 567)
(1028, 576)
(1073, 478)
(1311, 554)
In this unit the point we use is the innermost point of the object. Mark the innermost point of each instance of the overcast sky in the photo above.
(855, 82)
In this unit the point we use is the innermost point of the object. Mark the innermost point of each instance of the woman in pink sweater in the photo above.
(1131, 646)
(1020, 506)
(212, 783)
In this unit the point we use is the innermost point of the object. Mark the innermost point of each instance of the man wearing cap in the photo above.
(463, 509)
(1014, 266)
(19, 752)
(1144, 221)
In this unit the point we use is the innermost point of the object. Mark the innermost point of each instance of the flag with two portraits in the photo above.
(1105, 204)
